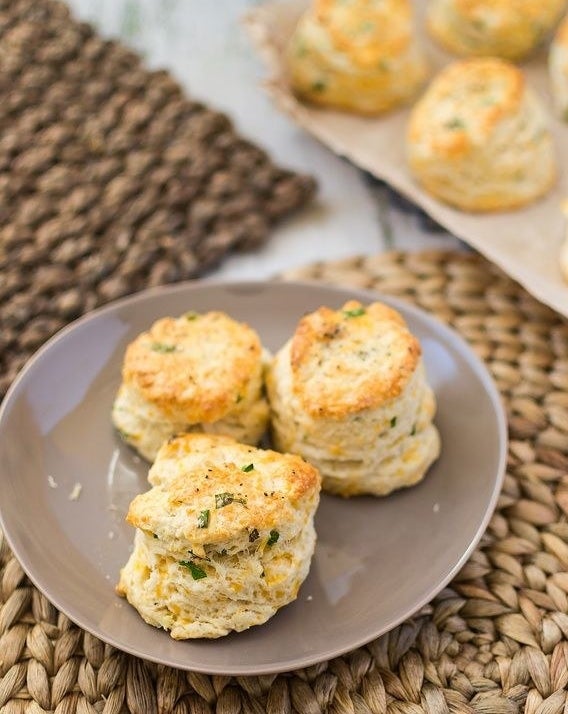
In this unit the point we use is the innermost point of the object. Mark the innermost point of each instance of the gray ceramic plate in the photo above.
(377, 560)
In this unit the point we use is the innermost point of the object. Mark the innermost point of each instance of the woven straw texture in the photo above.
(111, 180)
(493, 642)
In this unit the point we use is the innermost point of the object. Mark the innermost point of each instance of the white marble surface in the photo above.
(204, 45)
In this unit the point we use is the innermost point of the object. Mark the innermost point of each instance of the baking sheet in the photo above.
(525, 243)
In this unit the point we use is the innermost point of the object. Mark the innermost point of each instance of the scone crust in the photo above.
(499, 28)
(500, 87)
(188, 471)
(345, 24)
(194, 368)
(558, 68)
(355, 358)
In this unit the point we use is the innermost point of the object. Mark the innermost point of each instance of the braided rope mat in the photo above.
(111, 180)
(493, 642)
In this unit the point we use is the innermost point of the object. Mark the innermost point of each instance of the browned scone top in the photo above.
(466, 103)
(354, 358)
(242, 489)
(195, 365)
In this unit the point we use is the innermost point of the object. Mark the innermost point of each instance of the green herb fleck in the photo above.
(319, 86)
(393, 422)
(239, 398)
(223, 499)
(191, 315)
(356, 312)
(247, 468)
(455, 123)
(274, 535)
(161, 347)
(413, 432)
(367, 26)
(203, 519)
(197, 573)
(155, 536)
(253, 535)
(124, 434)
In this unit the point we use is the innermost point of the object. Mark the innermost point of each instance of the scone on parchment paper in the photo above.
(349, 393)
(478, 138)
(358, 55)
(510, 29)
(224, 539)
(192, 373)
(558, 69)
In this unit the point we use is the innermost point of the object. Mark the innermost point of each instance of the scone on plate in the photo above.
(349, 393)
(223, 539)
(478, 138)
(358, 55)
(558, 68)
(510, 29)
(192, 373)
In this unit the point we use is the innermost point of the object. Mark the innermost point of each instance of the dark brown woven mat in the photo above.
(111, 180)
(493, 642)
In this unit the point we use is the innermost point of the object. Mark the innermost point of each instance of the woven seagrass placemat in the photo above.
(493, 642)
(111, 179)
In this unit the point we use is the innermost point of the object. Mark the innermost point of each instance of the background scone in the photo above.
(478, 138)
(224, 538)
(349, 393)
(510, 29)
(192, 373)
(558, 67)
(358, 55)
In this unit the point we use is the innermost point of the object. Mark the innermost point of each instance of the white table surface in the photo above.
(205, 47)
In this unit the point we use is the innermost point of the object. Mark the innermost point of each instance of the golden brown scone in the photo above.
(478, 138)
(558, 68)
(224, 538)
(357, 55)
(191, 373)
(349, 393)
(510, 29)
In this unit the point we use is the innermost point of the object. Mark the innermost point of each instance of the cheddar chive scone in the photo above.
(510, 29)
(192, 373)
(349, 393)
(358, 55)
(223, 539)
(558, 69)
(478, 138)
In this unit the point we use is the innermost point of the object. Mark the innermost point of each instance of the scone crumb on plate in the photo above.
(436, 508)
(52, 482)
(111, 535)
(76, 492)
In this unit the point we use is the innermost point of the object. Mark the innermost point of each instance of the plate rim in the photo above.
(364, 294)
